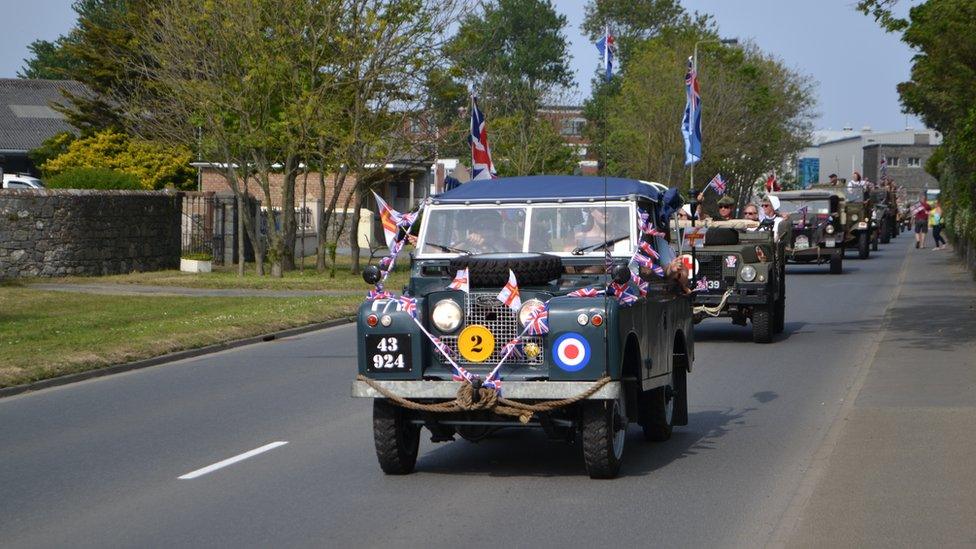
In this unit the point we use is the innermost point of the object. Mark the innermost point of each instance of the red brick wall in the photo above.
(214, 181)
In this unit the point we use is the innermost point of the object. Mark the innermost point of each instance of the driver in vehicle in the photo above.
(602, 225)
(485, 234)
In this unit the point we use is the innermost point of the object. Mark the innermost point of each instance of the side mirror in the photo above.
(371, 274)
(621, 274)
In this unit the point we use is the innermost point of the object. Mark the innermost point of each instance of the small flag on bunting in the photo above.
(460, 281)
(510, 293)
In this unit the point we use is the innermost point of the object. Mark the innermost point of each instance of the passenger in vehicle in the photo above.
(485, 234)
(750, 212)
(725, 206)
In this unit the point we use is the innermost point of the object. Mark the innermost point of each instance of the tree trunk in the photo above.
(241, 214)
(338, 234)
(323, 227)
(288, 224)
(354, 229)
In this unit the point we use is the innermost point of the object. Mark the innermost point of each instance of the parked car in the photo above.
(21, 181)
(546, 231)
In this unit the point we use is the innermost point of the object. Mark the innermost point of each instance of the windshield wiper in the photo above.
(447, 248)
(581, 250)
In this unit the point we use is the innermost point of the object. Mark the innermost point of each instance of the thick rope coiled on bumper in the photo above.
(716, 310)
(488, 400)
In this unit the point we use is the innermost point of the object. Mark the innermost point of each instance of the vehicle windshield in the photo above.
(563, 230)
(812, 206)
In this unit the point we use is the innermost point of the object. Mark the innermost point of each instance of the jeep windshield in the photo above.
(555, 229)
(821, 207)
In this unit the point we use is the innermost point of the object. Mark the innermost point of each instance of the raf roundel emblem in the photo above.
(571, 352)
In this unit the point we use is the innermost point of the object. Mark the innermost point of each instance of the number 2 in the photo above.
(476, 339)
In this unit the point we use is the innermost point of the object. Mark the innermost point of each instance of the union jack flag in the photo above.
(481, 165)
(441, 347)
(623, 294)
(460, 281)
(643, 260)
(884, 169)
(585, 292)
(510, 293)
(646, 224)
(649, 250)
(408, 305)
(640, 283)
(718, 184)
(513, 348)
(538, 323)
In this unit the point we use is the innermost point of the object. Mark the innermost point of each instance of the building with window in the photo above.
(905, 164)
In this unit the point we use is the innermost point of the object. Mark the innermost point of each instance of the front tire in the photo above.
(779, 321)
(837, 264)
(762, 324)
(397, 440)
(604, 432)
(863, 246)
(885, 232)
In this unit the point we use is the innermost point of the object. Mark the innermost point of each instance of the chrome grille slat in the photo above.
(503, 324)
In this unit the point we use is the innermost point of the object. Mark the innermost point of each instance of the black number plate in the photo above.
(388, 353)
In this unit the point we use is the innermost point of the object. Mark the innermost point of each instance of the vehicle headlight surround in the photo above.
(446, 315)
(830, 229)
(527, 307)
(748, 273)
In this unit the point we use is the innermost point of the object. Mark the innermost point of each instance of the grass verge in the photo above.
(226, 277)
(48, 334)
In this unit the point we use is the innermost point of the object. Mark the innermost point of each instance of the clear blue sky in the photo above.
(855, 64)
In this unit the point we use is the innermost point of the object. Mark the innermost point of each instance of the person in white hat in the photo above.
(770, 208)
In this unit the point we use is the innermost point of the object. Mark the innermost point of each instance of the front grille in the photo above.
(486, 310)
(709, 266)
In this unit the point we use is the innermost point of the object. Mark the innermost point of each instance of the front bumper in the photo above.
(741, 295)
(520, 390)
(815, 253)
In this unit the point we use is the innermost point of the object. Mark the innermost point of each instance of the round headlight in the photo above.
(528, 307)
(748, 273)
(446, 315)
(854, 217)
(829, 229)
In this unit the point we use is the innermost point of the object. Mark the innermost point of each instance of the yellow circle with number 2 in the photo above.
(476, 343)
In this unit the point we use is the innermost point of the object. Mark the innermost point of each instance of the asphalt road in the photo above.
(96, 464)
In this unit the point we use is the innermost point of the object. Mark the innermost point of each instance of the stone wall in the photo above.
(73, 232)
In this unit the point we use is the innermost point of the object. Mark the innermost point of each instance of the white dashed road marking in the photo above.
(232, 460)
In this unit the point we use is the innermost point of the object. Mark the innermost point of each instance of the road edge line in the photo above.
(168, 358)
(789, 521)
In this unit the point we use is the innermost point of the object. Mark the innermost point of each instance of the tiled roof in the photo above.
(26, 116)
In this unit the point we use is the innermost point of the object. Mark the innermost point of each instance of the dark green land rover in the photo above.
(597, 338)
(739, 272)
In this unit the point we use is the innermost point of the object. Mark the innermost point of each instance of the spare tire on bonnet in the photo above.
(491, 270)
(721, 236)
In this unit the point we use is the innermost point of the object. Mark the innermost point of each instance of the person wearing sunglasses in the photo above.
(751, 212)
(770, 208)
(725, 207)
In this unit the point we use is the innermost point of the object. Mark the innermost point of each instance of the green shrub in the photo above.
(94, 178)
(197, 256)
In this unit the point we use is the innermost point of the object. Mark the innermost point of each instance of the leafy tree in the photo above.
(756, 114)
(51, 148)
(154, 166)
(940, 91)
(94, 178)
(513, 54)
(50, 60)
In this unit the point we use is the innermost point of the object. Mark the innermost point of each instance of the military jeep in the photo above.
(558, 236)
(739, 273)
(818, 229)
(886, 214)
(860, 228)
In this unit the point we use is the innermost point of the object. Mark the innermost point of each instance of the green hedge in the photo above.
(94, 178)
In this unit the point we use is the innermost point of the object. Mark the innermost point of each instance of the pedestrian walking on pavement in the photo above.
(920, 214)
(937, 224)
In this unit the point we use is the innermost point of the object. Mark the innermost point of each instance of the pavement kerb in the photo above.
(168, 358)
